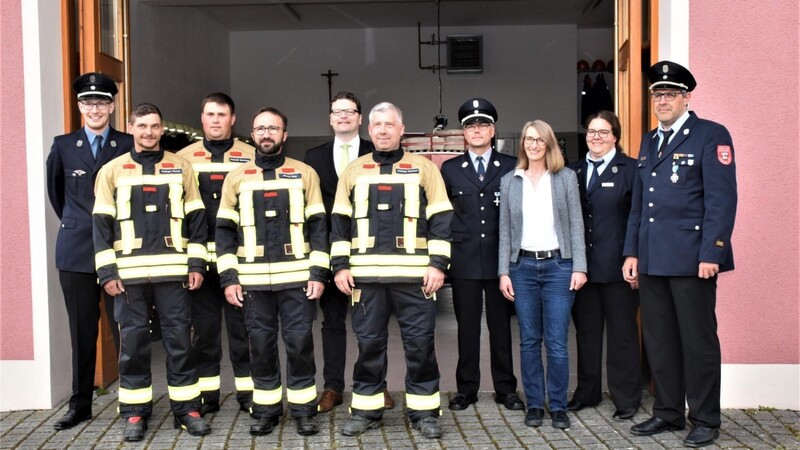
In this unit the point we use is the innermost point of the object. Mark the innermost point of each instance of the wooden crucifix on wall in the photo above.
(329, 75)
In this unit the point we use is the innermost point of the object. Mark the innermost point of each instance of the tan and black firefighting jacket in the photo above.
(271, 231)
(211, 163)
(391, 219)
(149, 221)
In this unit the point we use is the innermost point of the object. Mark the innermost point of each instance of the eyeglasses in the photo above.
(666, 95)
(602, 133)
(533, 141)
(346, 112)
(272, 129)
(483, 126)
(88, 106)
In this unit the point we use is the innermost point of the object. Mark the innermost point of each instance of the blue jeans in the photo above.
(543, 302)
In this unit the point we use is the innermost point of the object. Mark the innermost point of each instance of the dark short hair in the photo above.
(611, 118)
(345, 95)
(275, 111)
(219, 98)
(144, 109)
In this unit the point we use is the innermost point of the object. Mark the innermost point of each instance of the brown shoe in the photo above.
(328, 400)
(388, 401)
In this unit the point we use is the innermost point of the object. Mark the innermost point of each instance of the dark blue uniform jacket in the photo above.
(684, 203)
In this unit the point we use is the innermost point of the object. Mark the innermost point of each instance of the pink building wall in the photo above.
(16, 312)
(745, 58)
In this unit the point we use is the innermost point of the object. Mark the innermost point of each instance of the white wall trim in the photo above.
(673, 35)
(34, 384)
(754, 385)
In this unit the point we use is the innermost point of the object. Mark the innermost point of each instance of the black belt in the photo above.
(539, 254)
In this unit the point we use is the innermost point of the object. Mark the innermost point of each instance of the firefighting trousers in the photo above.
(132, 312)
(263, 311)
(416, 316)
(208, 304)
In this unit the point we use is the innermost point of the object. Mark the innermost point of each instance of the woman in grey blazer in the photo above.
(542, 263)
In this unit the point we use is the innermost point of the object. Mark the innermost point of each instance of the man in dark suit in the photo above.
(473, 186)
(72, 165)
(329, 160)
(677, 242)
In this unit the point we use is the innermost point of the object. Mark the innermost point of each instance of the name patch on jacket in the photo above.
(291, 176)
(404, 170)
(169, 171)
(240, 160)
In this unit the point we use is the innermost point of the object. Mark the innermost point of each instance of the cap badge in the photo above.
(92, 79)
(665, 68)
(664, 77)
(92, 87)
(475, 104)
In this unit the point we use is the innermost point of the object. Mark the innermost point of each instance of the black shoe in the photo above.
(510, 401)
(70, 419)
(462, 401)
(265, 426)
(560, 419)
(429, 427)
(207, 408)
(192, 423)
(534, 417)
(357, 425)
(652, 426)
(134, 429)
(623, 414)
(701, 436)
(575, 406)
(307, 426)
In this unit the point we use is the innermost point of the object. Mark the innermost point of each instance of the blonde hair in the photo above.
(553, 160)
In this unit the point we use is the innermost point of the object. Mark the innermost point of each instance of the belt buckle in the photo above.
(543, 254)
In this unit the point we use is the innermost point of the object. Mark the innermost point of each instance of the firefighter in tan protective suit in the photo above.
(272, 257)
(389, 251)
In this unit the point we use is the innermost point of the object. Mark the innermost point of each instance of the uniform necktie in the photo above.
(96, 146)
(344, 158)
(664, 142)
(595, 175)
(481, 168)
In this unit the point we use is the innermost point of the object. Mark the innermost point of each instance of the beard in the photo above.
(267, 146)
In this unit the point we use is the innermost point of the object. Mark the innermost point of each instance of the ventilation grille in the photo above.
(465, 54)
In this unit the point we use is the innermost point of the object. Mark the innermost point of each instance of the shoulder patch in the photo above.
(724, 154)
(167, 165)
(200, 153)
(236, 153)
(368, 166)
(405, 166)
(250, 171)
(287, 170)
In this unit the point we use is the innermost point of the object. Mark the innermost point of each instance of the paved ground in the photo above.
(483, 426)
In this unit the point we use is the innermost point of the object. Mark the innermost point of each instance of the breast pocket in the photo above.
(78, 183)
(684, 173)
(461, 198)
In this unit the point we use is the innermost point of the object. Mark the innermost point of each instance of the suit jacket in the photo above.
(605, 216)
(567, 216)
(71, 171)
(476, 215)
(320, 158)
(684, 203)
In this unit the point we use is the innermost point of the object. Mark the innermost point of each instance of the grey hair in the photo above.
(384, 107)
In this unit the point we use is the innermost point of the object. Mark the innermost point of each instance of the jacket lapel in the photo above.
(468, 170)
(84, 149)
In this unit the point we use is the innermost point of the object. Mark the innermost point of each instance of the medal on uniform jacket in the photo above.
(497, 198)
(674, 176)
